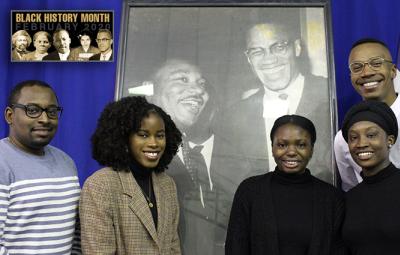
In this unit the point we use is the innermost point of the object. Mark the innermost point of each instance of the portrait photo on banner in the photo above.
(225, 72)
(61, 35)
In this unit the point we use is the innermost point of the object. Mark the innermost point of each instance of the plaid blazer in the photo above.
(116, 219)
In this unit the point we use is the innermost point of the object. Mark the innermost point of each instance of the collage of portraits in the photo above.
(222, 138)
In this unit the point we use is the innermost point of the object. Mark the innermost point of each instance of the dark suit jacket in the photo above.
(53, 56)
(243, 125)
(97, 57)
(203, 230)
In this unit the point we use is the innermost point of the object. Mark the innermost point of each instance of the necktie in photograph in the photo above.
(197, 168)
(200, 168)
(198, 164)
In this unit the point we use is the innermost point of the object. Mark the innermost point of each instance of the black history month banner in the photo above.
(61, 35)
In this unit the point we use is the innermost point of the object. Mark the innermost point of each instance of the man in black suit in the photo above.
(61, 42)
(104, 42)
(276, 55)
(208, 169)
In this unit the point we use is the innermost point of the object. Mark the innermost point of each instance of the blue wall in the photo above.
(353, 20)
(84, 88)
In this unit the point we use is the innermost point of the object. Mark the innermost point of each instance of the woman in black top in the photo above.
(372, 222)
(287, 211)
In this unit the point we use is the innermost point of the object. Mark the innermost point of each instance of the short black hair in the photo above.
(103, 30)
(297, 120)
(369, 40)
(85, 32)
(118, 121)
(59, 31)
(48, 36)
(16, 91)
(286, 20)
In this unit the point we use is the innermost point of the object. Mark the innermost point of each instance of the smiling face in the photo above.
(181, 92)
(41, 43)
(292, 148)
(32, 134)
(147, 145)
(371, 84)
(276, 65)
(369, 146)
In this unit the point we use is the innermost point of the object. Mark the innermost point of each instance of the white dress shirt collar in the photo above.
(105, 57)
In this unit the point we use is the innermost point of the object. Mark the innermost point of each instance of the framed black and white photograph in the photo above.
(224, 72)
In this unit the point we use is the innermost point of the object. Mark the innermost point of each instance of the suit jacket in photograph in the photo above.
(18, 56)
(53, 56)
(202, 230)
(243, 124)
(116, 219)
(97, 57)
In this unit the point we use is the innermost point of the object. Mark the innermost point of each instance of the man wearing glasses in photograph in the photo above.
(372, 72)
(39, 187)
(278, 59)
(104, 42)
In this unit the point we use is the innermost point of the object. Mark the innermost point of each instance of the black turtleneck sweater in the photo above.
(276, 213)
(292, 199)
(142, 176)
(372, 222)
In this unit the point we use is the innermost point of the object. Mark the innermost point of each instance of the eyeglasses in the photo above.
(375, 63)
(102, 40)
(35, 111)
(278, 49)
